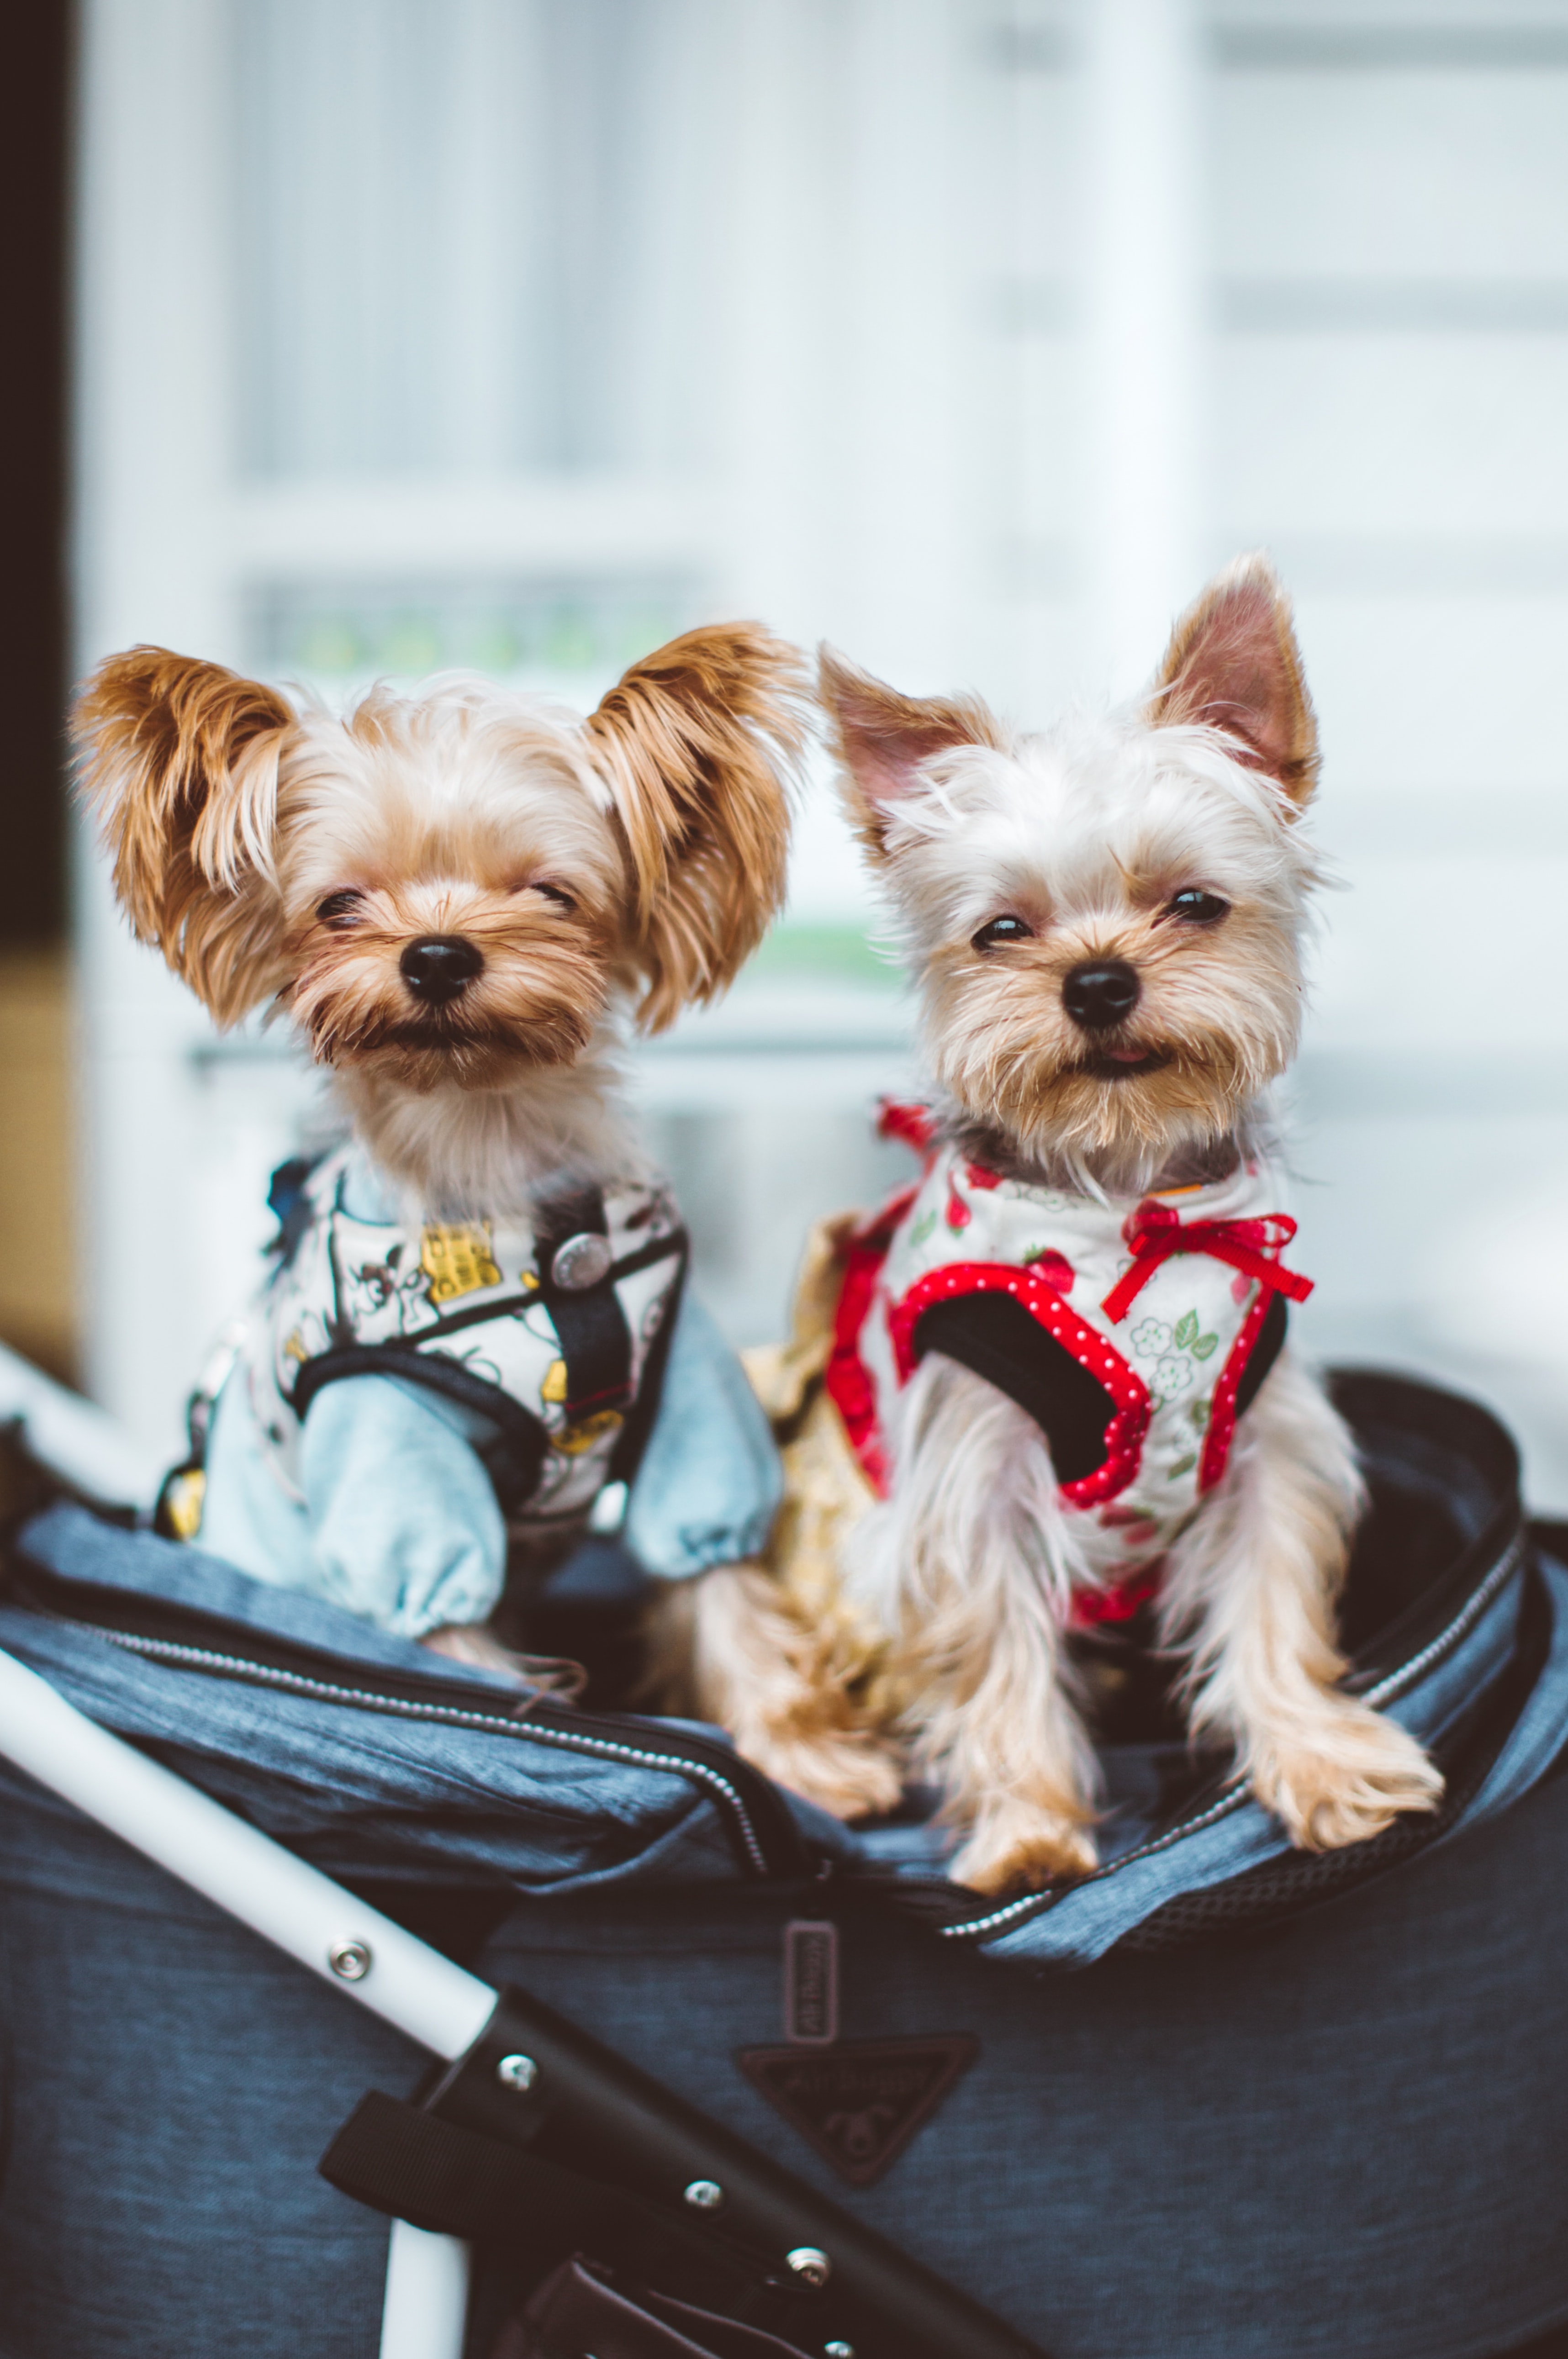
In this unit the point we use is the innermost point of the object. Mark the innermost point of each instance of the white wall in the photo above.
(969, 335)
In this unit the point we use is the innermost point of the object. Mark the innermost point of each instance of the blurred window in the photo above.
(519, 334)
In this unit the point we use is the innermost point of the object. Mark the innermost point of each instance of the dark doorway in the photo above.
(34, 648)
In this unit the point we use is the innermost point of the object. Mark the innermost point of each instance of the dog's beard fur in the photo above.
(1087, 836)
(608, 872)
(541, 996)
(1216, 1023)
(492, 837)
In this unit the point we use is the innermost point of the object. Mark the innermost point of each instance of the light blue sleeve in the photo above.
(710, 1482)
(403, 1521)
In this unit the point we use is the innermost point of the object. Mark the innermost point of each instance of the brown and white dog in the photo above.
(464, 899)
(1104, 924)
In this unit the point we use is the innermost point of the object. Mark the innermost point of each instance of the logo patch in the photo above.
(860, 2103)
(811, 1982)
(457, 1260)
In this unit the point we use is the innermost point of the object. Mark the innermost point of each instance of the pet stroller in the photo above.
(756, 2083)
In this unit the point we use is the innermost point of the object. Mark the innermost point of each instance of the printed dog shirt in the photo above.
(1135, 1334)
(554, 1333)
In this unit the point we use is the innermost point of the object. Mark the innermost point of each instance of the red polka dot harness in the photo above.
(1160, 1303)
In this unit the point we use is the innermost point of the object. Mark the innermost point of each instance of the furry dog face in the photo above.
(1106, 921)
(449, 889)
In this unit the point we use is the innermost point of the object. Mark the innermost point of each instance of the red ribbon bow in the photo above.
(1156, 1232)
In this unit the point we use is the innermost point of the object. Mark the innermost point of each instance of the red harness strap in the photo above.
(1156, 1232)
(1129, 1422)
(844, 1379)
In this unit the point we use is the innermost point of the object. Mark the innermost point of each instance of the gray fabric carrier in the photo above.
(1222, 2136)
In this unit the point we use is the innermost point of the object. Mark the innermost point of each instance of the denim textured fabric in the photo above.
(351, 1789)
(1338, 2139)
(1343, 2142)
(339, 1782)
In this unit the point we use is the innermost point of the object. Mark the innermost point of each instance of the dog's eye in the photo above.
(340, 909)
(1196, 909)
(554, 893)
(1000, 930)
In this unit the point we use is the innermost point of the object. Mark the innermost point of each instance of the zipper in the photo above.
(754, 1812)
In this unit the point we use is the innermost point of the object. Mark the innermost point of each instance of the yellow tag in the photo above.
(457, 1261)
(585, 1432)
(553, 1388)
(183, 1501)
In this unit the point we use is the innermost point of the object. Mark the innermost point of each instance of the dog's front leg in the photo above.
(1251, 1589)
(730, 1646)
(970, 1564)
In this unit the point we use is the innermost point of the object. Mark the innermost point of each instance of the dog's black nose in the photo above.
(437, 966)
(1100, 992)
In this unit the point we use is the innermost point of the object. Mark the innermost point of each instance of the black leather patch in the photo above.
(860, 2103)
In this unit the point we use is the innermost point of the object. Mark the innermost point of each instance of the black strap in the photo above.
(513, 1456)
(595, 1341)
(632, 1440)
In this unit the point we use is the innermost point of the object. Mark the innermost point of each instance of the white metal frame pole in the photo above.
(293, 1906)
(1148, 291)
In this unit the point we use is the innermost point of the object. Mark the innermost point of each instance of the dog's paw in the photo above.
(1019, 1849)
(849, 1773)
(475, 1644)
(1344, 1777)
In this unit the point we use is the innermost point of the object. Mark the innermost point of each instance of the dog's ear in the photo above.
(881, 739)
(698, 746)
(1233, 663)
(178, 761)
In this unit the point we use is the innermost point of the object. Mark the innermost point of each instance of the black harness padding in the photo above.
(1264, 1352)
(513, 1453)
(1000, 1339)
(632, 1440)
(595, 1341)
(997, 1338)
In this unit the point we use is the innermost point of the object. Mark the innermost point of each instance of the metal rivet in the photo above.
(350, 1959)
(838, 2350)
(704, 2195)
(811, 2266)
(518, 2072)
(581, 1262)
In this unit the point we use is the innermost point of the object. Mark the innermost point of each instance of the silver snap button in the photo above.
(812, 2266)
(351, 1960)
(704, 2195)
(581, 1261)
(518, 2072)
(838, 2350)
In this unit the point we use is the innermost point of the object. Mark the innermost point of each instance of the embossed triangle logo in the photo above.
(860, 2102)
